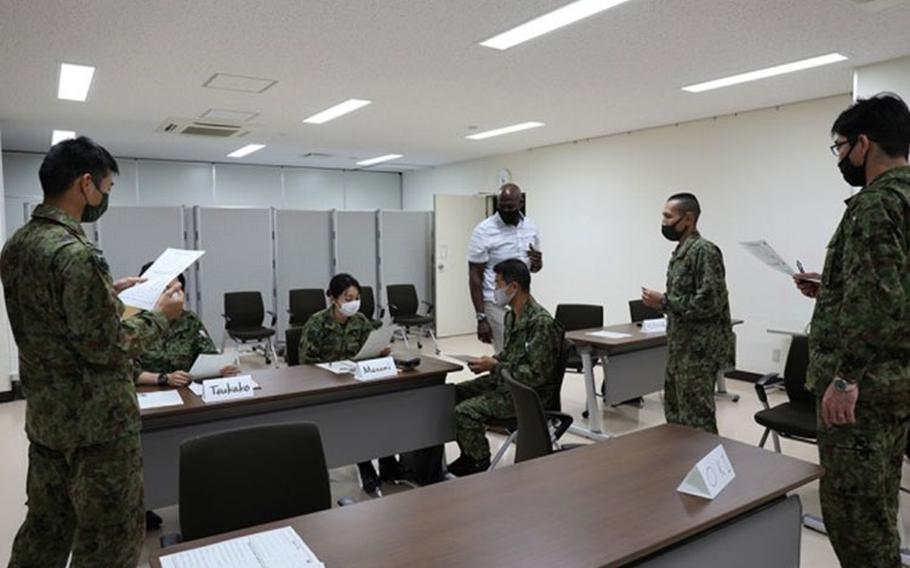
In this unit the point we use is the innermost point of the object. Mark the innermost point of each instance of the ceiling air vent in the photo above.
(203, 128)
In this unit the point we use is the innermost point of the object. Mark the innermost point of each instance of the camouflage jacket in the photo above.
(324, 339)
(177, 349)
(699, 330)
(75, 353)
(861, 324)
(531, 350)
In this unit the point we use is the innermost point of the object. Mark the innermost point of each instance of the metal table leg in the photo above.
(594, 431)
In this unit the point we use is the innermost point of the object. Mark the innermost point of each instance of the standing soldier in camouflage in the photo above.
(337, 333)
(859, 345)
(700, 336)
(82, 420)
(533, 340)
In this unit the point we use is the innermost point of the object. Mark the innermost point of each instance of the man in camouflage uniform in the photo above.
(82, 420)
(859, 345)
(533, 340)
(700, 338)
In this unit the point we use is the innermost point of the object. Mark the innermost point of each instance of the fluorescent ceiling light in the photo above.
(74, 81)
(246, 150)
(568, 14)
(379, 159)
(767, 72)
(504, 130)
(61, 135)
(328, 114)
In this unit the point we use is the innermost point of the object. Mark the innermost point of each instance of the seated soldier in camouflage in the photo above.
(337, 333)
(167, 361)
(531, 352)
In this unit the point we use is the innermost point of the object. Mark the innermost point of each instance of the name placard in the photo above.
(375, 369)
(658, 325)
(229, 388)
(709, 476)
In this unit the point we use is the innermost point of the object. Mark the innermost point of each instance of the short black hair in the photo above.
(340, 283)
(688, 203)
(68, 160)
(180, 277)
(514, 270)
(883, 118)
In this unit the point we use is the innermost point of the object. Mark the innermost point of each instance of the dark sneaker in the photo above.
(466, 466)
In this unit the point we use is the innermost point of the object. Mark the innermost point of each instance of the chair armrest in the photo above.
(763, 383)
(274, 317)
(171, 539)
(560, 421)
(428, 305)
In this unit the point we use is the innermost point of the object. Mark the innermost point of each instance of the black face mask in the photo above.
(670, 232)
(510, 217)
(853, 175)
(92, 213)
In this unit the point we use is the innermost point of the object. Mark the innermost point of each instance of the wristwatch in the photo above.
(162, 379)
(480, 317)
(843, 385)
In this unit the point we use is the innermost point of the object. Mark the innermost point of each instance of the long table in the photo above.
(358, 420)
(612, 503)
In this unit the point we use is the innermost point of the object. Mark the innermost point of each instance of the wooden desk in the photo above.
(357, 420)
(607, 504)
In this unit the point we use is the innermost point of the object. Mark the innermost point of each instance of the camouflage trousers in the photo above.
(689, 396)
(861, 485)
(476, 402)
(88, 501)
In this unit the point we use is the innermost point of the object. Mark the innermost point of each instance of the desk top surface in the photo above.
(605, 504)
(300, 381)
(636, 338)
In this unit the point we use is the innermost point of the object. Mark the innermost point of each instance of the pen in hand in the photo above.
(799, 266)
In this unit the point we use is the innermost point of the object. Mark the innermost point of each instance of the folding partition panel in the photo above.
(238, 257)
(405, 251)
(303, 255)
(356, 246)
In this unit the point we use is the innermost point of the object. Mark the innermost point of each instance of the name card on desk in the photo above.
(217, 390)
(375, 369)
(658, 325)
(709, 476)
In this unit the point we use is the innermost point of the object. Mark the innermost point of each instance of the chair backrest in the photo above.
(533, 433)
(367, 302)
(402, 299)
(303, 303)
(579, 316)
(795, 371)
(292, 337)
(638, 311)
(240, 478)
(244, 310)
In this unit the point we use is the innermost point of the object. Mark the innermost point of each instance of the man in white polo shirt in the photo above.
(504, 235)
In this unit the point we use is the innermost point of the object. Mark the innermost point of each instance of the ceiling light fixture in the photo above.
(75, 81)
(61, 135)
(504, 130)
(246, 150)
(767, 72)
(379, 159)
(340, 109)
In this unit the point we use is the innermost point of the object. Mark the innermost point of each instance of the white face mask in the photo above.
(502, 297)
(348, 309)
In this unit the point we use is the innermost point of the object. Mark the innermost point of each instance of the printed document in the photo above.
(279, 548)
(166, 267)
(763, 252)
(157, 399)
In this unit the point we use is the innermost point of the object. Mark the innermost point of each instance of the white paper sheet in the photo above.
(209, 366)
(157, 399)
(378, 340)
(609, 334)
(196, 389)
(345, 367)
(165, 268)
(763, 252)
(279, 548)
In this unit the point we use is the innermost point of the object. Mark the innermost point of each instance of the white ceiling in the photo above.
(419, 62)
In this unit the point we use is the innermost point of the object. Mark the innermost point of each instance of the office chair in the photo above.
(795, 419)
(639, 312)
(368, 306)
(292, 337)
(534, 435)
(557, 420)
(243, 317)
(578, 316)
(303, 303)
(403, 305)
(245, 477)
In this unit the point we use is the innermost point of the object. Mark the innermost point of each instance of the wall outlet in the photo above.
(775, 356)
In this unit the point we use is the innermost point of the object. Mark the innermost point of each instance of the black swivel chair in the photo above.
(795, 419)
(303, 303)
(403, 306)
(292, 337)
(241, 478)
(534, 438)
(639, 312)
(574, 317)
(243, 315)
(368, 306)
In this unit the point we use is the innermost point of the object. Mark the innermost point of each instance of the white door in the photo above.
(455, 217)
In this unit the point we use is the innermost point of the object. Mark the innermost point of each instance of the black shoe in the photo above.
(390, 470)
(368, 478)
(466, 466)
(152, 521)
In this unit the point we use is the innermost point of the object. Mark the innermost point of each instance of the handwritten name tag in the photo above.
(375, 369)
(216, 390)
(709, 476)
(658, 325)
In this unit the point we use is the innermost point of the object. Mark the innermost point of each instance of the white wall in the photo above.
(892, 76)
(162, 183)
(765, 174)
(6, 342)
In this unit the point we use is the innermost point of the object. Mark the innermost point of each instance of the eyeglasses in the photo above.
(835, 148)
